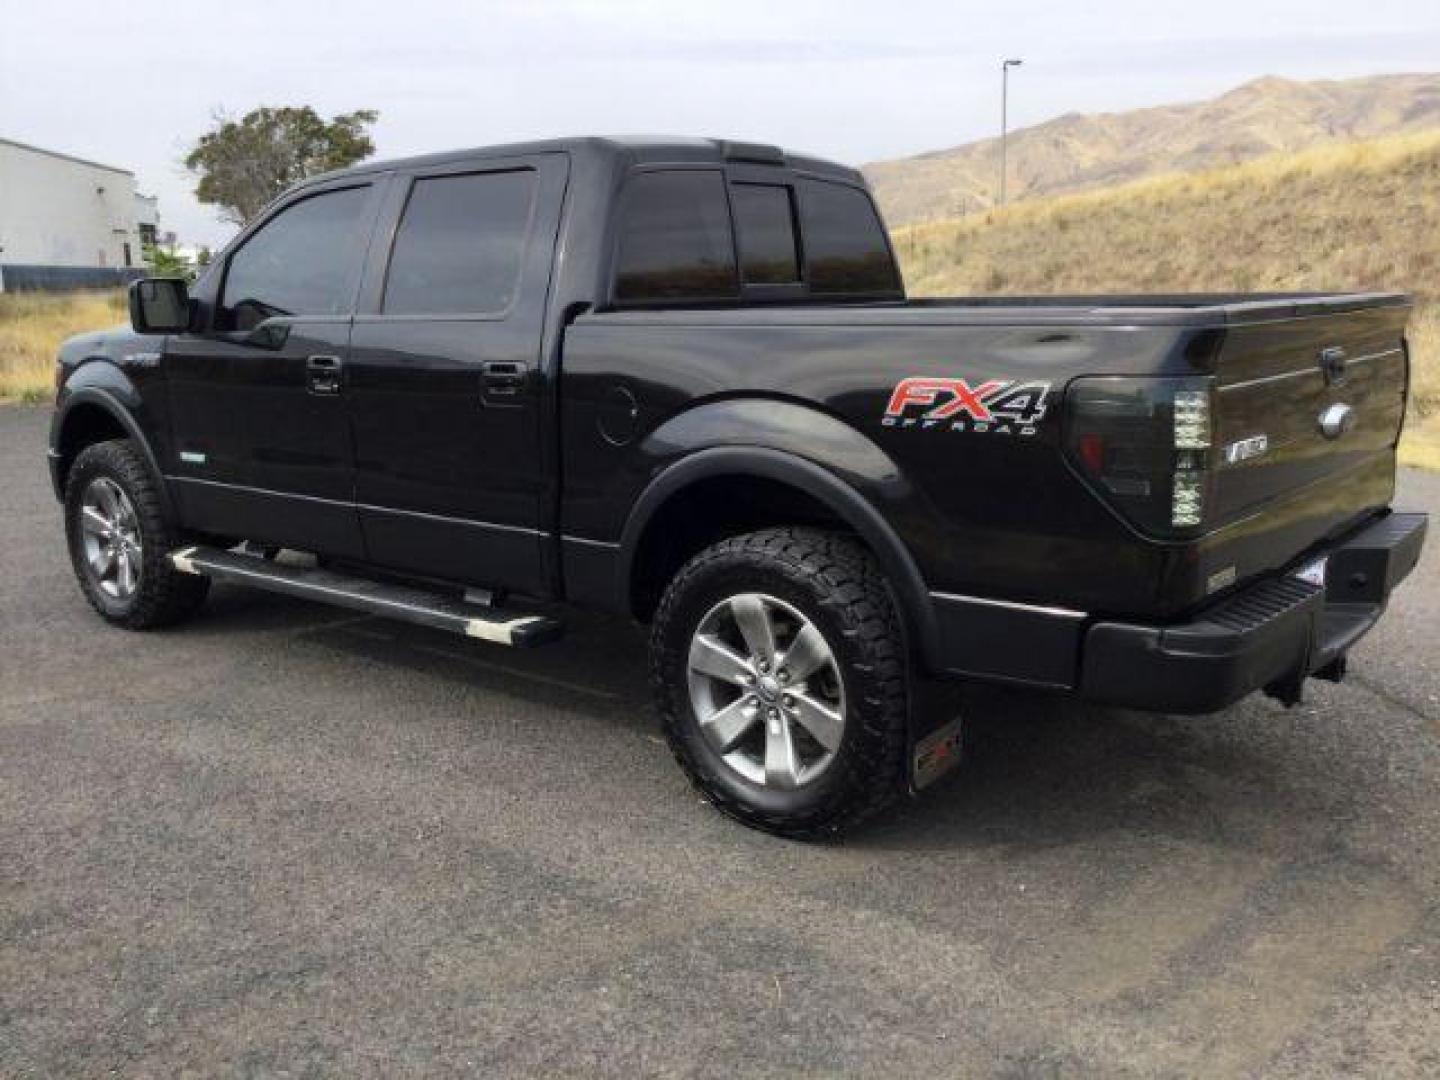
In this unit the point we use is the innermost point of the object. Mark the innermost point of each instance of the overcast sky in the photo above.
(131, 84)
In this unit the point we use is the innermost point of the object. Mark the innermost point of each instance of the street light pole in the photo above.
(1005, 67)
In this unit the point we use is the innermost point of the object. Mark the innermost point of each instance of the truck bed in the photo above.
(989, 514)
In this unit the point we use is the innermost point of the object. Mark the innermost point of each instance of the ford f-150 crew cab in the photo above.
(680, 380)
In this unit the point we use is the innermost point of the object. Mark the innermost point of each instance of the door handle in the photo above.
(503, 381)
(323, 374)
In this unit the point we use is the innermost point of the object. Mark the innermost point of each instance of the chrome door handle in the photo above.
(503, 382)
(323, 374)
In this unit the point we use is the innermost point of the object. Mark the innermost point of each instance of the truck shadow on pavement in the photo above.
(1039, 770)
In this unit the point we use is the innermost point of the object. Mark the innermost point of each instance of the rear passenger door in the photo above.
(444, 388)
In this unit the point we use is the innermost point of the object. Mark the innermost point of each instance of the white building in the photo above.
(147, 218)
(65, 222)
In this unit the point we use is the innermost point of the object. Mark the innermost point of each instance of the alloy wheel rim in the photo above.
(110, 535)
(766, 690)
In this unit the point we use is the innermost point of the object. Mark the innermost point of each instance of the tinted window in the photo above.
(303, 261)
(765, 228)
(460, 244)
(845, 248)
(675, 239)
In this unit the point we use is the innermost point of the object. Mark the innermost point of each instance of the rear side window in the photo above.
(675, 239)
(845, 249)
(303, 261)
(460, 244)
(765, 228)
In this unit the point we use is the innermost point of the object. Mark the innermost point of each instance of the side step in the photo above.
(377, 597)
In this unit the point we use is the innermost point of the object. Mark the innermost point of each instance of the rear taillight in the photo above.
(1145, 444)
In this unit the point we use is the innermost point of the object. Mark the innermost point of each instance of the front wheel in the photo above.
(120, 540)
(779, 668)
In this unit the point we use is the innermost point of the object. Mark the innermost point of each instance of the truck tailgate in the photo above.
(1305, 399)
(1308, 413)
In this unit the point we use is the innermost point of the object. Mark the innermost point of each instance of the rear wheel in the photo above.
(779, 667)
(120, 539)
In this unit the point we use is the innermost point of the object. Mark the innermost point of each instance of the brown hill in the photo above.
(1077, 152)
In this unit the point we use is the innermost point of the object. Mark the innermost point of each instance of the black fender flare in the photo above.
(95, 396)
(901, 571)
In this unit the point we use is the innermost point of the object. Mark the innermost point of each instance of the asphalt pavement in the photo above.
(285, 840)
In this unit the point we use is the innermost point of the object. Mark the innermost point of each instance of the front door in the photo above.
(261, 437)
(444, 388)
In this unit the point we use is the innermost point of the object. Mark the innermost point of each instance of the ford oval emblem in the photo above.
(1336, 420)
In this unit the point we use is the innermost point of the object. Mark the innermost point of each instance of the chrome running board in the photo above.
(376, 597)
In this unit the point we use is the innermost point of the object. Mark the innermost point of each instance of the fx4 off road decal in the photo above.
(998, 406)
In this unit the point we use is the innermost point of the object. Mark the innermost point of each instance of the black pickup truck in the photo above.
(680, 380)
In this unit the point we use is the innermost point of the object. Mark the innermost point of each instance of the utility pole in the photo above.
(1005, 67)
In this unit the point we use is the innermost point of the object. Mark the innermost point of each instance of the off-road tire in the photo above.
(163, 595)
(834, 582)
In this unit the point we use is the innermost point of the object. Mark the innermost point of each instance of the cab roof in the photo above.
(627, 150)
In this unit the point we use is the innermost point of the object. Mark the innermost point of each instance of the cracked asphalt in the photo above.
(286, 841)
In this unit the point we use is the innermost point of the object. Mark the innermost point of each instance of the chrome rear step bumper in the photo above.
(375, 597)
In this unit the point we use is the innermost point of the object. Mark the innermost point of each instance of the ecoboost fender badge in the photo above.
(995, 406)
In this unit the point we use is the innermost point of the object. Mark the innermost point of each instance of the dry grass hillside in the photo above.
(1080, 152)
(1358, 216)
(32, 326)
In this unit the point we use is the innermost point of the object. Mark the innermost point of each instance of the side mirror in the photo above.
(159, 306)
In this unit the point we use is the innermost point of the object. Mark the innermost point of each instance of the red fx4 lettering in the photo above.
(961, 397)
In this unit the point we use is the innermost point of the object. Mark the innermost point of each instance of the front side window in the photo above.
(675, 239)
(303, 261)
(845, 249)
(460, 244)
(765, 229)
